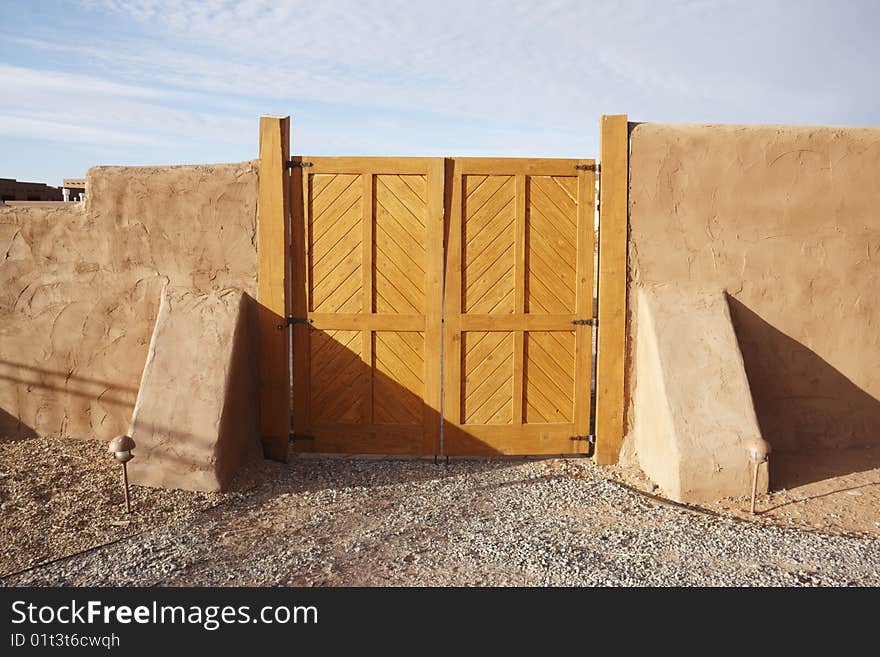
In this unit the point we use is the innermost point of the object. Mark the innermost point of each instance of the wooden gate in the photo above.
(367, 271)
(441, 307)
(519, 306)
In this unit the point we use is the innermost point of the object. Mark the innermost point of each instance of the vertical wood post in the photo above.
(613, 210)
(273, 234)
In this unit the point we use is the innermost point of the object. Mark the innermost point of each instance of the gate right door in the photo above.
(518, 306)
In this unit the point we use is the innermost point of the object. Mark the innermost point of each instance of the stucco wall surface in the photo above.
(787, 221)
(80, 289)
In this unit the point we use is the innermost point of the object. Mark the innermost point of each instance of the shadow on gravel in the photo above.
(266, 480)
(818, 497)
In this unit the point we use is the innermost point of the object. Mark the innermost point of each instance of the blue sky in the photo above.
(169, 81)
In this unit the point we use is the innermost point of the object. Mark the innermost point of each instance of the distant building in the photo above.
(74, 189)
(14, 190)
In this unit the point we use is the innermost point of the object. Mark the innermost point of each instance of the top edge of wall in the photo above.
(750, 126)
(165, 167)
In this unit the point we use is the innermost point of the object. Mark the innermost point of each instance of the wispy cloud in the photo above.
(397, 76)
(83, 108)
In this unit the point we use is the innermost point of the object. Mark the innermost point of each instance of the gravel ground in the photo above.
(60, 496)
(553, 522)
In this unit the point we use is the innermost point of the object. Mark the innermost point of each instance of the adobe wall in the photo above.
(787, 221)
(80, 287)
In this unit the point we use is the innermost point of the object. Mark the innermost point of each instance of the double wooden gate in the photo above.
(438, 306)
(369, 235)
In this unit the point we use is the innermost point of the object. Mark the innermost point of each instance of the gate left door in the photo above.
(367, 272)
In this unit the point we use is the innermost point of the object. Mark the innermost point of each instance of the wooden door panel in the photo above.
(398, 385)
(400, 242)
(334, 243)
(487, 371)
(488, 256)
(367, 249)
(551, 245)
(549, 377)
(337, 374)
(519, 288)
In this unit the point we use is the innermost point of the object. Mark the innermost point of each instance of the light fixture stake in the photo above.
(759, 452)
(121, 447)
(125, 487)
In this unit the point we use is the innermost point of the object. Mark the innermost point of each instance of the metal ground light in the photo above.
(121, 447)
(759, 452)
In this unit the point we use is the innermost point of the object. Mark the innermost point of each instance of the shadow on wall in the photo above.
(239, 422)
(61, 381)
(804, 403)
(49, 389)
(12, 429)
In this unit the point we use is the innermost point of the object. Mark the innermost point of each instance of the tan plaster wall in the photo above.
(80, 288)
(787, 220)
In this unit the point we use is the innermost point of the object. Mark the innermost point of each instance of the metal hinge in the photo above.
(590, 440)
(300, 436)
(299, 320)
(293, 163)
(586, 167)
(585, 322)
